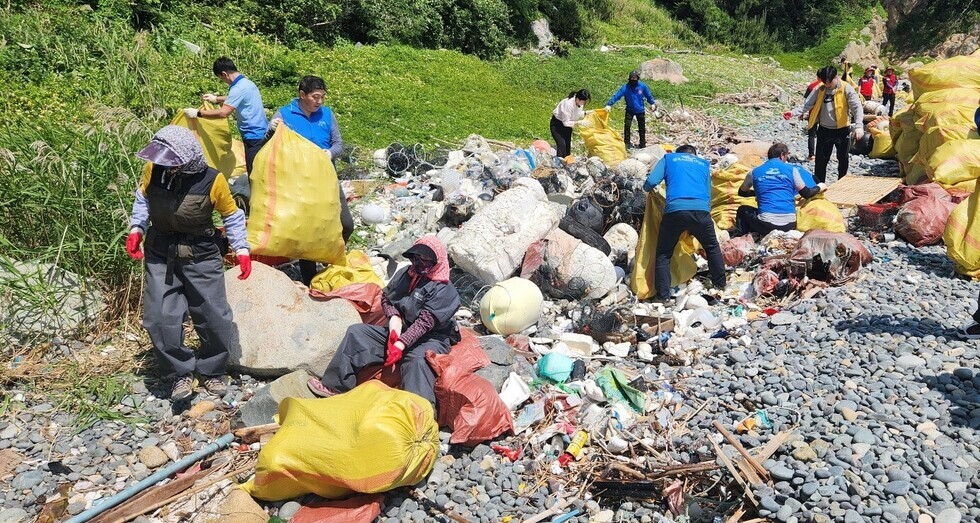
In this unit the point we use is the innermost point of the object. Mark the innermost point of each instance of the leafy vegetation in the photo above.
(765, 26)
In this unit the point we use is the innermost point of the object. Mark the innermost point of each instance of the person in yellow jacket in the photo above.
(833, 107)
(185, 272)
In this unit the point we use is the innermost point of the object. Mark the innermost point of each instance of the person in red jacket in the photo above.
(866, 84)
(889, 83)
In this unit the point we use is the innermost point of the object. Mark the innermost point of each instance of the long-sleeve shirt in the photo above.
(827, 111)
(568, 112)
(320, 127)
(634, 97)
(688, 182)
(232, 217)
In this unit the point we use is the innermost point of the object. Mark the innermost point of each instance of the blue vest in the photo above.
(688, 182)
(316, 128)
(775, 189)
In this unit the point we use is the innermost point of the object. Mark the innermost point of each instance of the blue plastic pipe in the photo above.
(160, 475)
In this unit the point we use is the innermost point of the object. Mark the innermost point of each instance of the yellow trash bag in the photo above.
(956, 165)
(960, 71)
(881, 147)
(215, 137)
(369, 440)
(295, 201)
(962, 236)
(819, 213)
(725, 200)
(914, 173)
(600, 139)
(355, 268)
(682, 265)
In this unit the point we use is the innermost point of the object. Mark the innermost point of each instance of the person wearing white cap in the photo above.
(183, 255)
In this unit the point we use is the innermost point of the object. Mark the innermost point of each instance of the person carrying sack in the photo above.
(184, 262)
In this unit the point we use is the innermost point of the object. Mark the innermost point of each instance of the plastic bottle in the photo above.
(574, 448)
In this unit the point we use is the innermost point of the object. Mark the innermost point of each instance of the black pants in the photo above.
(562, 136)
(641, 123)
(976, 314)
(747, 221)
(252, 148)
(307, 268)
(366, 345)
(811, 142)
(700, 225)
(889, 100)
(827, 139)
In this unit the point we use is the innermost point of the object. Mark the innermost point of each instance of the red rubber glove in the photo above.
(133, 242)
(395, 350)
(245, 262)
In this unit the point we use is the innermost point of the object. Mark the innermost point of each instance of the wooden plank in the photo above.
(761, 472)
(855, 190)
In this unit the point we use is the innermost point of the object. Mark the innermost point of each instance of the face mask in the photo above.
(634, 83)
(422, 266)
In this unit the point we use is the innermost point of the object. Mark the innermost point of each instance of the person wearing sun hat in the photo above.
(183, 253)
(420, 304)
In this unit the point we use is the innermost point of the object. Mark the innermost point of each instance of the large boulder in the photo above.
(264, 406)
(662, 70)
(41, 299)
(280, 327)
(492, 244)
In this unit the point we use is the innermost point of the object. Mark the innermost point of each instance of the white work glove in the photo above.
(822, 186)
(274, 123)
(210, 98)
(191, 112)
(858, 134)
(608, 108)
(329, 154)
(654, 107)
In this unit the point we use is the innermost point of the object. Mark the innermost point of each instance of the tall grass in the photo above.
(81, 93)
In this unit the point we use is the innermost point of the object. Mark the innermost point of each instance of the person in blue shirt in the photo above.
(775, 185)
(307, 116)
(635, 93)
(688, 208)
(244, 100)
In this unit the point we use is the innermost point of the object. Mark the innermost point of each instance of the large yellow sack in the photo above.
(725, 200)
(215, 137)
(914, 173)
(882, 147)
(819, 213)
(956, 165)
(962, 236)
(960, 71)
(371, 439)
(941, 102)
(295, 201)
(354, 268)
(682, 265)
(511, 306)
(601, 140)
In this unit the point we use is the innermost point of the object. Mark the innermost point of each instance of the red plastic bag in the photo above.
(923, 220)
(365, 297)
(468, 404)
(839, 254)
(735, 250)
(911, 192)
(359, 509)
